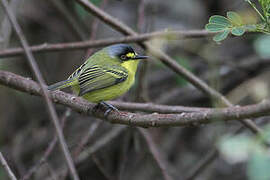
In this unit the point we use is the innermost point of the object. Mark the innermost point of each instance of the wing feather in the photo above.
(97, 77)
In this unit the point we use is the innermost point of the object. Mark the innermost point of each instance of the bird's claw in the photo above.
(108, 107)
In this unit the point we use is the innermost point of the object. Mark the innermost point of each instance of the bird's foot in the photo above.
(108, 107)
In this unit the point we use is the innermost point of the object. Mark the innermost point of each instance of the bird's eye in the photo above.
(123, 57)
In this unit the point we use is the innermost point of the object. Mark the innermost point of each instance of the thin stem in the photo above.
(49, 149)
(94, 28)
(254, 7)
(6, 167)
(105, 42)
(97, 145)
(141, 93)
(85, 139)
(158, 108)
(156, 154)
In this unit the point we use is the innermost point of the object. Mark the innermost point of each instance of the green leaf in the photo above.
(217, 19)
(238, 31)
(235, 149)
(221, 36)
(262, 46)
(258, 165)
(234, 18)
(215, 27)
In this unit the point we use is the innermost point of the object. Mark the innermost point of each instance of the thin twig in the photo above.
(5, 26)
(115, 132)
(100, 143)
(51, 171)
(202, 164)
(85, 139)
(69, 18)
(141, 93)
(158, 108)
(123, 159)
(6, 167)
(94, 28)
(102, 169)
(155, 153)
(105, 42)
(36, 71)
(49, 149)
(141, 16)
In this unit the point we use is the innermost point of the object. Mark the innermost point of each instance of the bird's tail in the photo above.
(61, 84)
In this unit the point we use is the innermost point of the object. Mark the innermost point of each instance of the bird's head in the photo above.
(123, 53)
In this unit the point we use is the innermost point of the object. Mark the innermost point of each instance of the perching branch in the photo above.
(135, 119)
(105, 42)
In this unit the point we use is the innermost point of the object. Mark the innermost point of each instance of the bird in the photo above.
(106, 75)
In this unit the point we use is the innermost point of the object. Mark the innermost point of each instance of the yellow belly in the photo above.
(114, 91)
(108, 93)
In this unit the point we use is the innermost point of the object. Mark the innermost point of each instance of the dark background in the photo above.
(233, 67)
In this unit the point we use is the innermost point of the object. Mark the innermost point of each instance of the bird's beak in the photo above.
(140, 57)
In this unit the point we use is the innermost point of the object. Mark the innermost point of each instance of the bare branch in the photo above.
(49, 149)
(115, 132)
(156, 154)
(100, 143)
(85, 139)
(149, 107)
(6, 29)
(141, 91)
(31, 60)
(94, 28)
(70, 19)
(92, 130)
(6, 167)
(149, 120)
(105, 42)
(202, 164)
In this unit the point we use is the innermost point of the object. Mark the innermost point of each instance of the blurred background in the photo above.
(238, 68)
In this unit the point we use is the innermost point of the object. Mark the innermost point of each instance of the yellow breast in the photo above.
(117, 90)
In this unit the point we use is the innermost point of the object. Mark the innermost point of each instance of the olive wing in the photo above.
(97, 77)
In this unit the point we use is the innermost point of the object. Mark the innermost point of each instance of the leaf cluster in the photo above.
(265, 5)
(235, 25)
